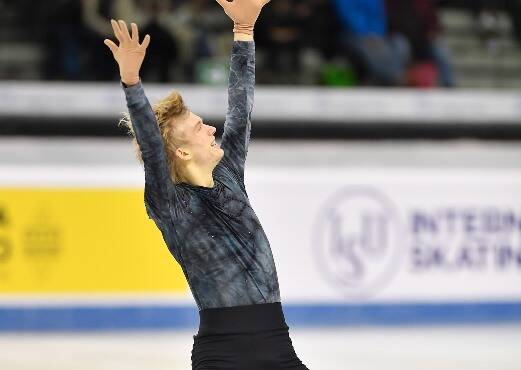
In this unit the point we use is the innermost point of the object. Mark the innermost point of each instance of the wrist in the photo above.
(239, 36)
(130, 80)
(243, 29)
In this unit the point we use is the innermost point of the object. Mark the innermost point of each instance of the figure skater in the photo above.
(195, 194)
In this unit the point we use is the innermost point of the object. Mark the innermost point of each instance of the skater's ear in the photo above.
(183, 154)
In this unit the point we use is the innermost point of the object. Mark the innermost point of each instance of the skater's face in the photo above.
(198, 140)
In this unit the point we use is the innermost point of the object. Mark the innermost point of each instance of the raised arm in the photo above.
(236, 135)
(129, 56)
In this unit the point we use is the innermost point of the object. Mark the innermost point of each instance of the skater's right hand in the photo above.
(130, 53)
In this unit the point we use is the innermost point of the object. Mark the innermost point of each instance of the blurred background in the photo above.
(418, 43)
(384, 165)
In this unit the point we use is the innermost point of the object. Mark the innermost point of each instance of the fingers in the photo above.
(135, 32)
(124, 30)
(117, 31)
(112, 46)
(121, 31)
(146, 42)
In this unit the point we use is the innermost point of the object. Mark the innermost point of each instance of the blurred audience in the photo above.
(296, 37)
(487, 13)
(515, 12)
(163, 52)
(65, 58)
(379, 58)
(280, 33)
(320, 28)
(417, 21)
(367, 42)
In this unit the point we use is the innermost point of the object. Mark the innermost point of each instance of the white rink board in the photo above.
(392, 234)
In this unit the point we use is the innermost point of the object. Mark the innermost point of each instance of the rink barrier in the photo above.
(282, 103)
(281, 112)
(186, 317)
(53, 280)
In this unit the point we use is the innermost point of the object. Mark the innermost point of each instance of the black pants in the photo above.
(253, 337)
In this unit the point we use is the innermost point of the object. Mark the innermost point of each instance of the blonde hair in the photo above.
(166, 111)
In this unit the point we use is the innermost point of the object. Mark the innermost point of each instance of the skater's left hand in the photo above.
(243, 13)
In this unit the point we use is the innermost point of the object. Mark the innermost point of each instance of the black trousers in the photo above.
(253, 337)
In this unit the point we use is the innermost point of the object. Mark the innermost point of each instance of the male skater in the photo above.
(195, 193)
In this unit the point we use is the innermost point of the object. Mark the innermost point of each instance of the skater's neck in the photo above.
(197, 176)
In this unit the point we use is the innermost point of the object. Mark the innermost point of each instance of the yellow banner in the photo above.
(82, 240)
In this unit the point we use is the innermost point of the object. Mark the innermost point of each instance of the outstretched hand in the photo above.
(243, 13)
(130, 53)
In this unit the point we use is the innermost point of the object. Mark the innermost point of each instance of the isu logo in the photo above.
(357, 241)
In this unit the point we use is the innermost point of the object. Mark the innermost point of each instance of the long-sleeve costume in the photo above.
(213, 233)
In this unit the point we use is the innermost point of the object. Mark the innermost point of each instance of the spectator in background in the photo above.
(514, 7)
(418, 21)
(319, 30)
(181, 23)
(214, 26)
(72, 40)
(279, 33)
(203, 30)
(488, 20)
(64, 59)
(319, 26)
(95, 15)
(379, 60)
(197, 27)
(164, 50)
(487, 14)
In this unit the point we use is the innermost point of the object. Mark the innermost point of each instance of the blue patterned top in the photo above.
(213, 233)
